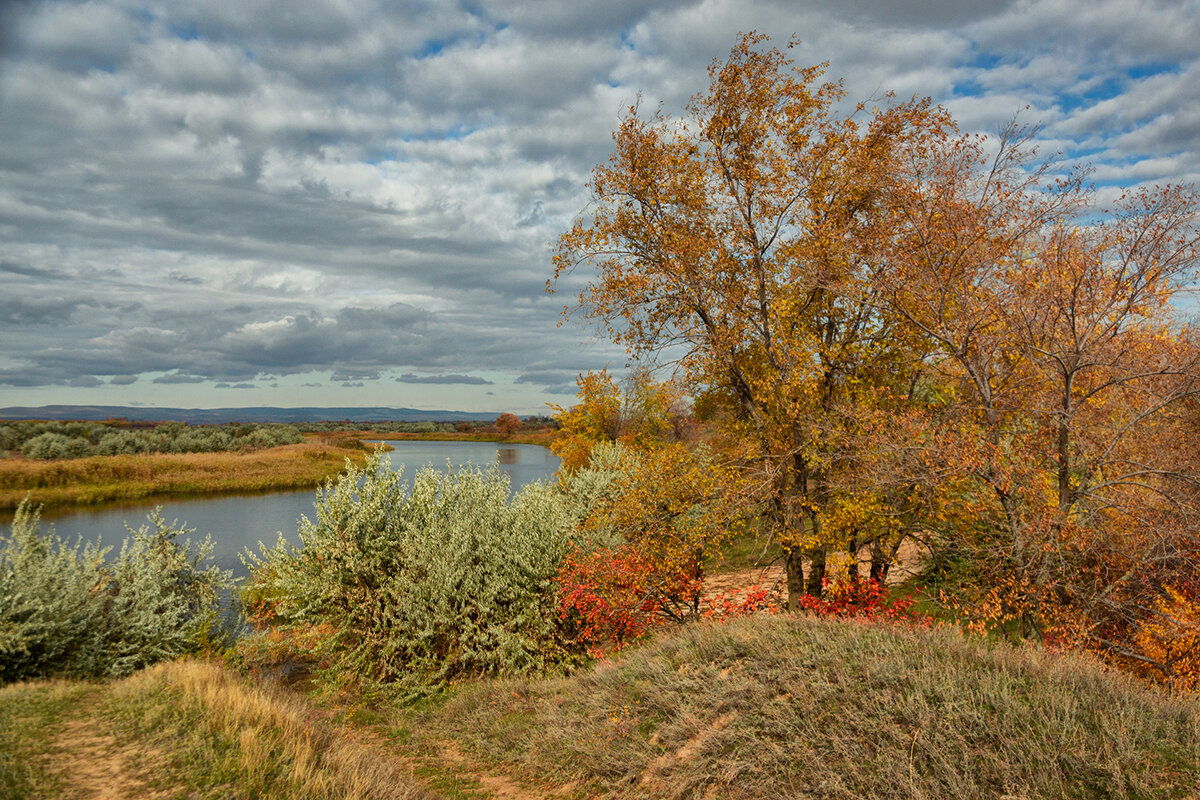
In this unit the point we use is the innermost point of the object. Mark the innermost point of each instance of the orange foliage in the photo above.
(902, 331)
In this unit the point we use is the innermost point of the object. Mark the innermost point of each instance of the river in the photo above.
(238, 522)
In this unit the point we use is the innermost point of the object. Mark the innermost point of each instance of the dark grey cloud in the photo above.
(547, 377)
(238, 193)
(409, 377)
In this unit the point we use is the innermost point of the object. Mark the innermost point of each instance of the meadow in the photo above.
(758, 707)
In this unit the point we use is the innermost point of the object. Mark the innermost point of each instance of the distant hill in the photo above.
(256, 414)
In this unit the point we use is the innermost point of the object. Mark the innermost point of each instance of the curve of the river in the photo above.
(238, 522)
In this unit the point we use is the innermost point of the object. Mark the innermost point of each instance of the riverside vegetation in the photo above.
(884, 342)
(59, 464)
(431, 632)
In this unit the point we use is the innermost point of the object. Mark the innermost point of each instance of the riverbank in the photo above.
(542, 438)
(101, 480)
(98, 480)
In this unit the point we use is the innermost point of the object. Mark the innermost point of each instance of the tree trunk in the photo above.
(852, 567)
(816, 572)
(795, 579)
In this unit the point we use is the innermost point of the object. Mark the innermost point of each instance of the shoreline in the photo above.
(99, 482)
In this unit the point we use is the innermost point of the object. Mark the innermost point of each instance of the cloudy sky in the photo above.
(349, 202)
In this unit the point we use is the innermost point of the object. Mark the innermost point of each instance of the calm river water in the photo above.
(238, 522)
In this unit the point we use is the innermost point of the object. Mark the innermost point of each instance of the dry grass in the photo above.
(222, 737)
(761, 707)
(101, 479)
(778, 707)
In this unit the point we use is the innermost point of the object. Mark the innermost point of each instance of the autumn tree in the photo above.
(507, 424)
(1053, 325)
(642, 413)
(667, 507)
(744, 243)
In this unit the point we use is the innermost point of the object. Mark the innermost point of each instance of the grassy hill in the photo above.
(756, 708)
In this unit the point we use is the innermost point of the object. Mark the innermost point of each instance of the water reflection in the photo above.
(239, 522)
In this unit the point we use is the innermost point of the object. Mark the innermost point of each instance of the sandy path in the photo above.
(96, 766)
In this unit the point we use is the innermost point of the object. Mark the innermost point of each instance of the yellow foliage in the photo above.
(1171, 638)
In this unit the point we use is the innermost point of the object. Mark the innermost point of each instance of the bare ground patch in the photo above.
(95, 765)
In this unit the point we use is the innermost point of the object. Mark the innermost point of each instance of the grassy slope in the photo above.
(758, 708)
(184, 729)
(778, 707)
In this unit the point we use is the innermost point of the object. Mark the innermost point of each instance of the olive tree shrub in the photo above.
(66, 609)
(417, 587)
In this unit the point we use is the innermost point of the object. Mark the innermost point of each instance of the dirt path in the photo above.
(735, 583)
(94, 765)
(497, 785)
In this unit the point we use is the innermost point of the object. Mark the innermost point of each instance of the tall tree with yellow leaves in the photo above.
(745, 241)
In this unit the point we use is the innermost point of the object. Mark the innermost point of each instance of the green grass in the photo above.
(217, 736)
(30, 714)
(745, 551)
(186, 729)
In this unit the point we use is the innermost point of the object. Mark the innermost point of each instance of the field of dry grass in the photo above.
(771, 706)
(761, 707)
(184, 729)
(101, 479)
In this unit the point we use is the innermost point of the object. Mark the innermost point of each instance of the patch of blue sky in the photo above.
(187, 32)
(384, 157)
(1112, 86)
(454, 134)
(980, 62)
(432, 47)
(1151, 69)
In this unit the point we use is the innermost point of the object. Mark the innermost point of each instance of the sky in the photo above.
(351, 202)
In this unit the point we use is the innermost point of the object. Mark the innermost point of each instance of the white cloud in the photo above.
(226, 189)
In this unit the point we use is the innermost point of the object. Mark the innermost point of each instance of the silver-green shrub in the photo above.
(391, 586)
(47, 446)
(65, 609)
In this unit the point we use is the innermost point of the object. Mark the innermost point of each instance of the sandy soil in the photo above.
(98, 765)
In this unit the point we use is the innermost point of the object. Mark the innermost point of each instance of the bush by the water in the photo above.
(56, 440)
(66, 609)
(413, 588)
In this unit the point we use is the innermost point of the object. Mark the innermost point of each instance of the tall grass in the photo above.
(100, 479)
(780, 707)
(221, 737)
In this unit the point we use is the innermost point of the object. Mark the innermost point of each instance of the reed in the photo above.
(105, 479)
